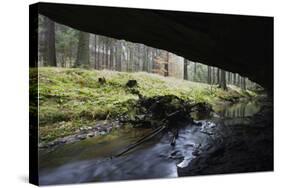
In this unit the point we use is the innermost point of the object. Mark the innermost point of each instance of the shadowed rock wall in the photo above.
(242, 44)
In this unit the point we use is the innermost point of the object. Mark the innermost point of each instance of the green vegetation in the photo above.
(73, 98)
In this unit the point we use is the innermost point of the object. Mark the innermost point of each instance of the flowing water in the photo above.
(91, 160)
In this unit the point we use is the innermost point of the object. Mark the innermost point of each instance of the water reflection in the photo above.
(88, 160)
(242, 109)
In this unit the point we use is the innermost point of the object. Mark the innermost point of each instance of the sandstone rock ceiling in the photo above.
(242, 44)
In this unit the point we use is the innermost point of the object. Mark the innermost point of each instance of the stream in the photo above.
(220, 138)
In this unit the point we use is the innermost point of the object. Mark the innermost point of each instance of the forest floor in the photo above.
(74, 99)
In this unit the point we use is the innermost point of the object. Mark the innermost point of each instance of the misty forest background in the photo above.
(62, 46)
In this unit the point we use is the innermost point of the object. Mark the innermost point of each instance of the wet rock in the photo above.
(71, 139)
(184, 163)
(42, 145)
(91, 134)
(140, 117)
(176, 155)
(195, 153)
(207, 127)
(108, 129)
(82, 137)
(198, 123)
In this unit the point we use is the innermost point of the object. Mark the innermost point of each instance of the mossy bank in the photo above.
(73, 99)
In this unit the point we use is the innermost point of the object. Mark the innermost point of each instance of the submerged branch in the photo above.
(142, 140)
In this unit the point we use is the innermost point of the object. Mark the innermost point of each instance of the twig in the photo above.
(145, 138)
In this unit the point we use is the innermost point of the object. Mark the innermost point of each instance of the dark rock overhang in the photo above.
(241, 44)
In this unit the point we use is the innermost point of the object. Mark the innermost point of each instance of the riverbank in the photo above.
(244, 145)
(237, 140)
(76, 103)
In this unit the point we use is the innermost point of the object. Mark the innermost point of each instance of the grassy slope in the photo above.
(73, 98)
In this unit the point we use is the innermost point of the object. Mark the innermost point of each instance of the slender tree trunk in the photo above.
(209, 75)
(119, 56)
(214, 76)
(106, 54)
(147, 59)
(218, 76)
(50, 43)
(83, 50)
(95, 53)
(238, 81)
(145, 63)
(166, 66)
(229, 77)
(223, 80)
(131, 59)
(195, 72)
(244, 83)
(98, 57)
(185, 69)
(111, 57)
(103, 56)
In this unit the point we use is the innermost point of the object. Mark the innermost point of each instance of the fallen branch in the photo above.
(142, 140)
(147, 137)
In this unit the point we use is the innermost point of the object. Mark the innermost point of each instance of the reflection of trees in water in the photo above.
(239, 110)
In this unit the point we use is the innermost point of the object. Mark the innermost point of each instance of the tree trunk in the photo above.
(50, 43)
(166, 66)
(119, 56)
(238, 81)
(195, 70)
(209, 75)
(244, 83)
(214, 76)
(185, 69)
(83, 50)
(223, 80)
(145, 63)
(229, 77)
(111, 57)
(95, 53)
(218, 76)
(98, 57)
(106, 54)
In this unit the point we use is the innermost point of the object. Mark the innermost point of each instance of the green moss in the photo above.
(73, 98)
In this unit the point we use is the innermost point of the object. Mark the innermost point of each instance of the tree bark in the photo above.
(83, 50)
(166, 66)
(218, 76)
(209, 80)
(229, 77)
(185, 69)
(214, 76)
(223, 80)
(95, 53)
(244, 83)
(195, 71)
(50, 43)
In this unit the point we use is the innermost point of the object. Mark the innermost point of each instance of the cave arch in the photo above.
(241, 44)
